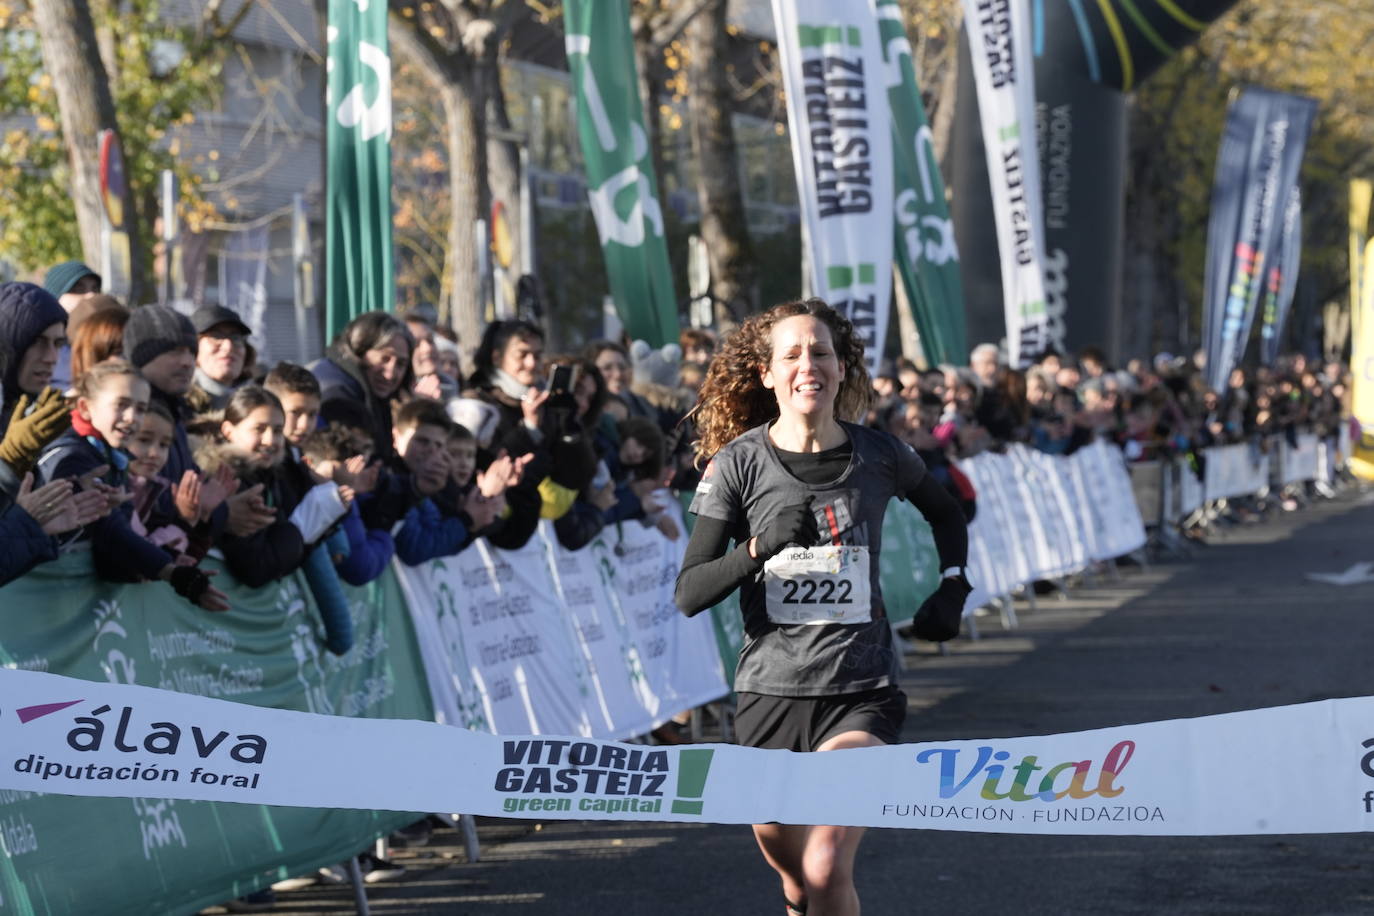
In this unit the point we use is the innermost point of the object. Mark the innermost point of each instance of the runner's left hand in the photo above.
(939, 618)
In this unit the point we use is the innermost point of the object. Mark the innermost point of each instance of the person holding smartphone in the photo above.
(802, 493)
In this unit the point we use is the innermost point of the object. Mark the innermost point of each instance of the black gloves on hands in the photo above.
(190, 583)
(939, 617)
(793, 525)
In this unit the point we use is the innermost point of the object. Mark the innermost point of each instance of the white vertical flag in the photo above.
(832, 66)
(999, 39)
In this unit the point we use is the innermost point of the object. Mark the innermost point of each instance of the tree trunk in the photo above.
(650, 86)
(72, 58)
(465, 110)
(503, 164)
(943, 123)
(909, 335)
(724, 221)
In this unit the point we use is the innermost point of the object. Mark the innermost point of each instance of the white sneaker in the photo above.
(295, 884)
(333, 874)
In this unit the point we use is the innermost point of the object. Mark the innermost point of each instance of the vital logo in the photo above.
(1048, 788)
(542, 775)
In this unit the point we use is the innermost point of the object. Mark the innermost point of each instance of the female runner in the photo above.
(802, 493)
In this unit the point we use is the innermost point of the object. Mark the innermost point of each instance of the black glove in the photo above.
(939, 617)
(793, 525)
(190, 583)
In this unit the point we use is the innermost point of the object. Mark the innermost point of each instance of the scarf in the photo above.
(508, 384)
(212, 387)
(116, 458)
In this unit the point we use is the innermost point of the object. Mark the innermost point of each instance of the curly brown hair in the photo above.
(733, 399)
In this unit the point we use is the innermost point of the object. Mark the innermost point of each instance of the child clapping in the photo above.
(112, 399)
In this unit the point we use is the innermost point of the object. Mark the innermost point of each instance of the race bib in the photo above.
(815, 585)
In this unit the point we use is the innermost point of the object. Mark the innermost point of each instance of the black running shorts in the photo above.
(805, 723)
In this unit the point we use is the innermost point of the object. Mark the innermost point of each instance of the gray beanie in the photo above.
(152, 330)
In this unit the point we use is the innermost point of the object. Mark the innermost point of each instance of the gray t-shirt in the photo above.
(746, 485)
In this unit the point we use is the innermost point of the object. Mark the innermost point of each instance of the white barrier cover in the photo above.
(1115, 513)
(1042, 516)
(1234, 470)
(1303, 462)
(547, 641)
(1191, 492)
(1290, 769)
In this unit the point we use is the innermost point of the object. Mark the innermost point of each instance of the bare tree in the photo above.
(456, 45)
(71, 56)
(724, 221)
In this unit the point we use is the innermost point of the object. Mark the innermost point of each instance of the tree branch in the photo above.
(663, 35)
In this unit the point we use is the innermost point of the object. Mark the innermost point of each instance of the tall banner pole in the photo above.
(1257, 169)
(924, 250)
(358, 251)
(999, 39)
(621, 185)
(837, 114)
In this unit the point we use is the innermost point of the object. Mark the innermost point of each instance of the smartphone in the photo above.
(561, 381)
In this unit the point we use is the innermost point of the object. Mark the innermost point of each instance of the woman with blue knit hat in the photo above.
(73, 283)
(33, 329)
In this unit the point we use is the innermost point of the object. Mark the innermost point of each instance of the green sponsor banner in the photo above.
(925, 253)
(908, 568)
(621, 185)
(358, 260)
(70, 855)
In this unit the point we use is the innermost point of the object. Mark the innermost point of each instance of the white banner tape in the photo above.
(1290, 769)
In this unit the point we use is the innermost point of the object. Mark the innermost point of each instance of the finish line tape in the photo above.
(1290, 769)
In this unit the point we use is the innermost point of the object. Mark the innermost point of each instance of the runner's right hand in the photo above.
(793, 525)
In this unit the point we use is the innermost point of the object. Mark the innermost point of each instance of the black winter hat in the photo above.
(26, 311)
(152, 330)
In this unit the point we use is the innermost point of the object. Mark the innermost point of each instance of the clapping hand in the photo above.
(215, 489)
(249, 512)
(57, 508)
(358, 474)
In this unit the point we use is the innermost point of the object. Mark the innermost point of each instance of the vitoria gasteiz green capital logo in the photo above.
(547, 774)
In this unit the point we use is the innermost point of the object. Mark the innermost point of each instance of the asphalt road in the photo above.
(1238, 626)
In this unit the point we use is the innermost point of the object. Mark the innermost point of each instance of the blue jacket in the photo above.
(369, 550)
(23, 544)
(120, 553)
(426, 533)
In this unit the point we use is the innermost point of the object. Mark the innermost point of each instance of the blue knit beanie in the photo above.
(60, 278)
(26, 311)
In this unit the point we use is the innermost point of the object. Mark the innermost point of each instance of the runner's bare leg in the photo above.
(816, 864)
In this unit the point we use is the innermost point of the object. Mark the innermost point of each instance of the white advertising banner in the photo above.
(999, 39)
(834, 75)
(547, 641)
(1234, 470)
(1305, 769)
(1303, 462)
(1044, 516)
(1116, 515)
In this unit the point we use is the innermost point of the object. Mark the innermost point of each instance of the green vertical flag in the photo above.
(924, 252)
(358, 272)
(620, 174)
